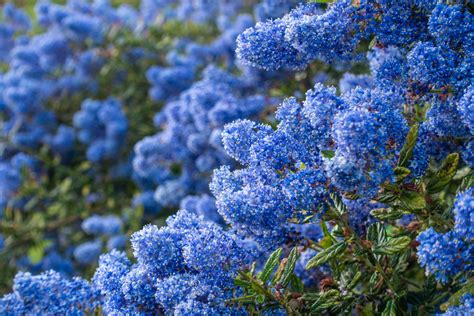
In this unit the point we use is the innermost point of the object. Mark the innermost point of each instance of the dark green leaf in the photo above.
(355, 280)
(387, 213)
(289, 267)
(339, 205)
(328, 153)
(376, 233)
(401, 173)
(392, 246)
(412, 200)
(466, 183)
(390, 309)
(270, 265)
(407, 150)
(445, 174)
(297, 284)
(325, 255)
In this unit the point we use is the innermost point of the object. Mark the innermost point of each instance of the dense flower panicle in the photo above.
(350, 81)
(359, 214)
(464, 214)
(102, 225)
(444, 255)
(449, 24)
(287, 173)
(103, 127)
(189, 259)
(203, 205)
(107, 279)
(466, 108)
(265, 46)
(15, 17)
(178, 158)
(49, 293)
(430, 64)
(272, 9)
(88, 252)
(117, 242)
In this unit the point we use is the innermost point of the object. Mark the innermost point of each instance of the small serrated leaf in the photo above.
(412, 200)
(270, 265)
(339, 205)
(355, 280)
(325, 255)
(392, 246)
(445, 174)
(328, 153)
(376, 233)
(407, 150)
(289, 267)
(401, 173)
(387, 213)
(390, 309)
(466, 183)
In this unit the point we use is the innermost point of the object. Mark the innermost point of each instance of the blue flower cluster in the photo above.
(448, 254)
(185, 267)
(288, 172)
(108, 226)
(102, 127)
(49, 293)
(178, 158)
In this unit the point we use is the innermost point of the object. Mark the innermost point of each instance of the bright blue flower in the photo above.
(102, 225)
(88, 252)
(464, 214)
(49, 293)
(107, 279)
(444, 255)
(117, 242)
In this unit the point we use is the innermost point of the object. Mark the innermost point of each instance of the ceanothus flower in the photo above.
(88, 252)
(49, 293)
(102, 225)
(464, 214)
(444, 255)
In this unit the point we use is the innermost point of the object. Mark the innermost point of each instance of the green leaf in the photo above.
(387, 213)
(289, 267)
(297, 284)
(328, 153)
(401, 173)
(339, 205)
(355, 280)
(376, 233)
(466, 183)
(386, 197)
(407, 150)
(390, 309)
(260, 299)
(325, 255)
(445, 174)
(270, 265)
(36, 252)
(392, 246)
(412, 200)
